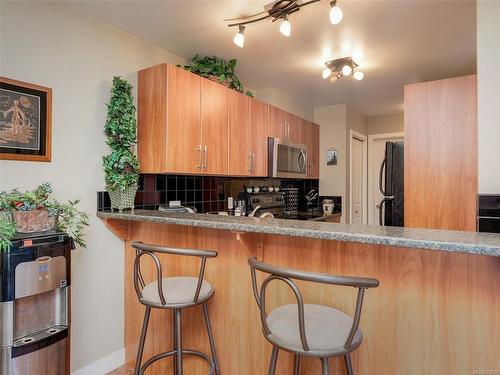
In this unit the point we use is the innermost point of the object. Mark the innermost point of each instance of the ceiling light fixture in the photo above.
(280, 10)
(336, 13)
(342, 68)
(239, 39)
(285, 27)
(326, 73)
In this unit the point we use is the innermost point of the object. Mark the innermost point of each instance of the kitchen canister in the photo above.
(327, 207)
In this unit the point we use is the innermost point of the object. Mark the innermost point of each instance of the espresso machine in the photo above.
(34, 305)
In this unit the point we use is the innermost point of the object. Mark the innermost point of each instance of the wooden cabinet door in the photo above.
(307, 138)
(259, 132)
(240, 156)
(183, 122)
(214, 127)
(440, 154)
(292, 128)
(277, 120)
(314, 172)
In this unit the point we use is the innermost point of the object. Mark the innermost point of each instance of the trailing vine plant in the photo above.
(121, 167)
(214, 66)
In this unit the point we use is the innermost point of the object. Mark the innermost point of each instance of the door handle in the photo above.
(200, 160)
(384, 164)
(250, 162)
(205, 163)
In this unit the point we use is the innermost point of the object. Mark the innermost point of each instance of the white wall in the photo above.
(51, 45)
(488, 81)
(297, 106)
(393, 123)
(332, 122)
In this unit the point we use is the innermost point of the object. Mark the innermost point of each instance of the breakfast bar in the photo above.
(437, 300)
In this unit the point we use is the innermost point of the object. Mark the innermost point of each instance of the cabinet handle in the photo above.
(250, 162)
(205, 163)
(253, 162)
(200, 161)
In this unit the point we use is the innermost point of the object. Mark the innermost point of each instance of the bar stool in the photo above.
(174, 293)
(305, 329)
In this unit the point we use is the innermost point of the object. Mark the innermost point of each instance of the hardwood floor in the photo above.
(124, 370)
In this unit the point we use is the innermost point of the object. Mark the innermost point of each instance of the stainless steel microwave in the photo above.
(286, 159)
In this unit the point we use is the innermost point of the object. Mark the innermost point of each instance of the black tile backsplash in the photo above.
(488, 213)
(206, 193)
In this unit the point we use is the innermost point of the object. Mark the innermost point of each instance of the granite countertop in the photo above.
(432, 239)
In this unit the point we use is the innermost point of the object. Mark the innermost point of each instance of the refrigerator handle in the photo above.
(380, 207)
(382, 166)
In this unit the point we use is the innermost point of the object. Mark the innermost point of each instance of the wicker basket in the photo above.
(123, 199)
(216, 79)
(33, 221)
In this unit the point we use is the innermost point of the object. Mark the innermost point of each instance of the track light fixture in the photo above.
(280, 10)
(343, 67)
(239, 39)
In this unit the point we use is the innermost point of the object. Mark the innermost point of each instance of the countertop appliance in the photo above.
(488, 213)
(287, 160)
(391, 184)
(34, 305)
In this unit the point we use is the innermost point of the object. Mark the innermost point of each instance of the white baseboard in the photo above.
(103, 365)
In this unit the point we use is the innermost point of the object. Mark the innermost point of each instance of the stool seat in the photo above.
(326, 328)
(177, 291)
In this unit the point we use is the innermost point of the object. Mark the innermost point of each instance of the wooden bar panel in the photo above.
(433, 313)
(441, 154)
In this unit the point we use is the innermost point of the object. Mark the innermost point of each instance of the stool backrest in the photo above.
(287, 275)
(150, 251)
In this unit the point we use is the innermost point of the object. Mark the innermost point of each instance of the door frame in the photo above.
(353, 134)
(371, 139)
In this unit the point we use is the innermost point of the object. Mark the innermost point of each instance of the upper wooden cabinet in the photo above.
(214, 128)
(309, 135)
(293, 128)
(191, 125)
(441, 154)
(240, 155)
(169, 130)
(284, 125)
(259, 132)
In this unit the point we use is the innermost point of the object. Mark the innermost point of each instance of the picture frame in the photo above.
(25, 121)
(331, 157)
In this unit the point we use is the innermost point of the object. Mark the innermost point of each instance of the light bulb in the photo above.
(358, 75)
(336, 14)
(346, 70)
(239, 39)
(326, 73)
(285, 27)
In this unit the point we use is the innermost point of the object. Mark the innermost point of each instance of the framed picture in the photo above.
(331, 157)
(25, 121)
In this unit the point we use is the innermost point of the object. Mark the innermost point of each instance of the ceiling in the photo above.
(394, 42)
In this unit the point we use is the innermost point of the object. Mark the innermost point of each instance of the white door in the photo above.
(376, 154)
(357, 181)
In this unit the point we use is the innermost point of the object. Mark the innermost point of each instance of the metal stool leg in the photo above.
(211, 339)
(140, 350)
(296, 365)
(348, 364)
(174, 341)
(324, 366)
(178, 341)
(274, 360)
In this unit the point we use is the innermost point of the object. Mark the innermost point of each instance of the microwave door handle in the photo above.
(384, 164)
(302, 156)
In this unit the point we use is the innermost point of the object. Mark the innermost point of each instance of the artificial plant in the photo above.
(121, 167)
(68, 218)
(214, 66)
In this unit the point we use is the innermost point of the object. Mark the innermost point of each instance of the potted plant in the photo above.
(216, 69)
(121, 167)
(33, 211)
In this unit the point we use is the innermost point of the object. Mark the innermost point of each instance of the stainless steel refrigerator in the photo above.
(391, 183)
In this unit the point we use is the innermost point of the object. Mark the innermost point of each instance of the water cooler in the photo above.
(34, 305)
